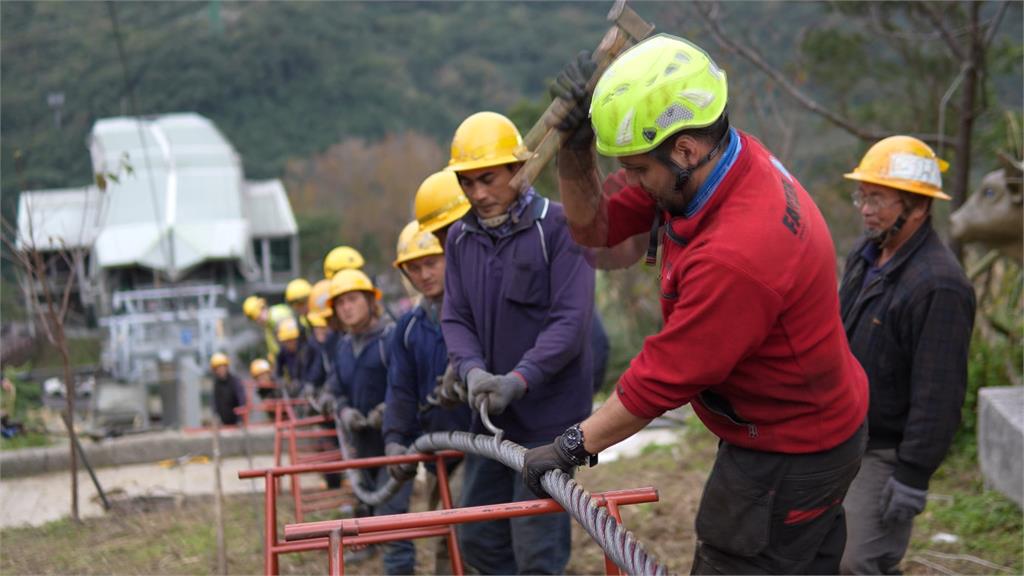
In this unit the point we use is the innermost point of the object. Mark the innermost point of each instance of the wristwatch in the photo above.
(571, 442)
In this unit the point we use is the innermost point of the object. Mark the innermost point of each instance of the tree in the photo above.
(889, 68)
(38, 260)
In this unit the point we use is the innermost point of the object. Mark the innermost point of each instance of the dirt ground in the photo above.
(168, 536)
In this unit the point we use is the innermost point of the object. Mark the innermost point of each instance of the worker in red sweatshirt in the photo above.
(752, 337)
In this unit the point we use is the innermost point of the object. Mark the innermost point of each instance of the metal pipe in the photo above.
(269, 523)
(357, 526)
(446, 503)
(375, 462)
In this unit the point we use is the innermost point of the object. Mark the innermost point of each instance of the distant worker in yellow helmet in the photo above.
(909, 312)
(228, 391)
(262, 374)
(256, 309)
(518, 306)
(361, 361)
(439, 203)
(751, 336)
(296, 294)
(291, 361)
(321, 342)
(419, 359)
(342, 258)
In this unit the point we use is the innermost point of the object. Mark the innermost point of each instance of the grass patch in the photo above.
(988, 525)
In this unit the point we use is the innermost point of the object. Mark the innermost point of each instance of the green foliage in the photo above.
(316, 238)
(987, 523)
(82, 352)
(281, 80)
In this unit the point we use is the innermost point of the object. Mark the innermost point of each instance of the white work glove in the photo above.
(500, 391)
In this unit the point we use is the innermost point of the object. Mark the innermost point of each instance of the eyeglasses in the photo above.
(874, 201)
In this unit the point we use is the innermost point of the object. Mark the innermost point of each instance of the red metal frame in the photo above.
(273, 547)
(347, 532)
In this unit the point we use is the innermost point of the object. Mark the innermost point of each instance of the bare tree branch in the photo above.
(994, 24)
(935, 17)
(723, 39)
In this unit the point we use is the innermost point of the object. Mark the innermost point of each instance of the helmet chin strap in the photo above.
(683, 174)
(885, 235)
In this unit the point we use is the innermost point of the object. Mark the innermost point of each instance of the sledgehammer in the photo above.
(627, 29)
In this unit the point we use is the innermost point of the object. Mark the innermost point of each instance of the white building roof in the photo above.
(53, 219)
(182, 204)
(179, 199)
(270, 214)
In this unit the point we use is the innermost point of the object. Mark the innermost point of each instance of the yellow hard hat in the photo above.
(252, 306)
(904, 163)
(219, 359)
(258, 367)
(297, 289)
(342, 258)
(486, 139)
(319, 300)
(414, 243)
(317, 320)
(440, 201)
(287, 329)
(350, 281)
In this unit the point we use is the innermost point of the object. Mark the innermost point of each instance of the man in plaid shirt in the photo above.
(908, 311)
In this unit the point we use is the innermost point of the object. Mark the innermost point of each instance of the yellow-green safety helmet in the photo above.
(658, 87)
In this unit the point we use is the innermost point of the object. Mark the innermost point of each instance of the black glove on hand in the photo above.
(375, 419)
(540, 460)
(571, 86)
(900, 503)
(400, 472)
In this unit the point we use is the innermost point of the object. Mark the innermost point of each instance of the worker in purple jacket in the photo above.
(519, 297)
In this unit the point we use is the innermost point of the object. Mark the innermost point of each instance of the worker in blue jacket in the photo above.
(360, 385)
(518, 306)
(419, 358)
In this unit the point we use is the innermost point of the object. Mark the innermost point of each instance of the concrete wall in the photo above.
(143, 448)
(1001, 440)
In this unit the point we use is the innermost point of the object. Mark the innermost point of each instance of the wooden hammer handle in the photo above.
(543, 137)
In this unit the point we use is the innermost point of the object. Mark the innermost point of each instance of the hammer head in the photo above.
(630, 22)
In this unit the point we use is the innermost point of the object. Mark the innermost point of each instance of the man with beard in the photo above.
(752, 338)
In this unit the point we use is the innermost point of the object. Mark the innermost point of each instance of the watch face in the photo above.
(573, 438)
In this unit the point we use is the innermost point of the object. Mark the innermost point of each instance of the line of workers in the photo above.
(387, 380)
(834, 403)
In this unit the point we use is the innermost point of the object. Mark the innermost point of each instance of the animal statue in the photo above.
(993, 214)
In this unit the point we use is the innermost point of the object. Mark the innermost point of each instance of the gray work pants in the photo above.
(872, 548)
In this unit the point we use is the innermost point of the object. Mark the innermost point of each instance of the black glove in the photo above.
(900, 503)
(400, 472)
(571, 86)
(540, 460)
